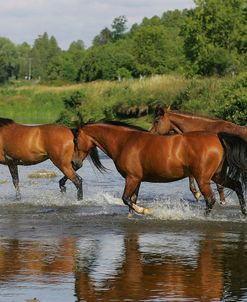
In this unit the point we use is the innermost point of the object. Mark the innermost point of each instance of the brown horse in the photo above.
(29, 145)
(169, 120)
(141, 156)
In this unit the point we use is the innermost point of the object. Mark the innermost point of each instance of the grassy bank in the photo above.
(134, 100)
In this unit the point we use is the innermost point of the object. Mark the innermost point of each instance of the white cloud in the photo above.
(70, 20)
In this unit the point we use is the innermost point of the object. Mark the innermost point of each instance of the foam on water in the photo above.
(106, 203)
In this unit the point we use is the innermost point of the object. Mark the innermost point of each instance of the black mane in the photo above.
(5, 121)
(118, 123)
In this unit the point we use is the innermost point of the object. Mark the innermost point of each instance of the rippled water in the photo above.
(54, 248)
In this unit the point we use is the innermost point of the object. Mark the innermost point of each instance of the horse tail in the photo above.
(94, 155)
(236, 155)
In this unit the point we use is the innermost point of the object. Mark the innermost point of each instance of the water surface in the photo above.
(54, 248)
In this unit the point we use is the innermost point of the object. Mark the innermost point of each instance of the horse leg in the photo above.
(207, 192)
(74, 177)
(134, 199)
(193, 188)
(236, 186)
(15, 178)
(131, 185)
(220, 190)
(63, 180)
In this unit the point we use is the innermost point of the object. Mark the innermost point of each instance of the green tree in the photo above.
(105, 61)
(103, 38)
(119, 26)
(157, 50)
(8, 60)
(24, 59)
(215, 36)
(44, 50)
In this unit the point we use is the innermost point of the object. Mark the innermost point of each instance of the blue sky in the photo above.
(71, 20)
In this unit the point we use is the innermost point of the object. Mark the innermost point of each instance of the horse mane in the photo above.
(117, 123)
(5, 121)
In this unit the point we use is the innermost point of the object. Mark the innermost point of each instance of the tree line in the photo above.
(210, 39)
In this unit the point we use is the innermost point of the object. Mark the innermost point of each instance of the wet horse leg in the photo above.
(207, 192)
(132, 185)
(220, 190)
(70, 174)
(193, 188)
(236, 186)
(134, 198)
(63, 180)
(15, 178)
(197, 194)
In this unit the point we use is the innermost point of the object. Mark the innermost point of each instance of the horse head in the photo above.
(162, 123)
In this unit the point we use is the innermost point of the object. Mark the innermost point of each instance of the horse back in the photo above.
(30, 144)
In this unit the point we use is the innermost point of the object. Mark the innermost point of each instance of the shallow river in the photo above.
(54, 248)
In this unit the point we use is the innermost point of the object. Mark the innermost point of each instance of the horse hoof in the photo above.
(18, 198)
(244, 212)
(207, 211)
(222, 202)
(130, 215)
(197, 195)
(146, 211)
(63, 190)
(140, 210)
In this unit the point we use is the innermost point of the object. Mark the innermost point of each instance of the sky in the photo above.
(72, 20)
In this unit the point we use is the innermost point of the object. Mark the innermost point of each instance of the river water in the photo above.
(54, 248)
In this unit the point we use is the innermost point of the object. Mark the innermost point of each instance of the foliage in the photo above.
(8, 60)
(208, 40)
(232, 101)
(215, 36)
(72, 104)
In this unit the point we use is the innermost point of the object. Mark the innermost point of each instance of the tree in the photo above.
(119, 27)
(105, 61)
(8, 60)
(215, 36)
(24, 60)
(43, 51)
(157, 50)
(103, 38)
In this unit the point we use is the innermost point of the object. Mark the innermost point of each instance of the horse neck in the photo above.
(107, 137)
(186, 123)
(183, 123)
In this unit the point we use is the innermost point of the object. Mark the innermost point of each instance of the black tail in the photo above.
(236, 155)
(94, 155)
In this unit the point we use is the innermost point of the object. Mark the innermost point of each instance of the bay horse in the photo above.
(170, 120)
(141, 156)
(29, 145)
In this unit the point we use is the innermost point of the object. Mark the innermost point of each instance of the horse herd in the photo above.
(202, 149)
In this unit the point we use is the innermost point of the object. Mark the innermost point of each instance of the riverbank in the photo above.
(135, 100)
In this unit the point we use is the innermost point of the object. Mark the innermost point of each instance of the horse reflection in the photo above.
(143, 275)
(169, 265)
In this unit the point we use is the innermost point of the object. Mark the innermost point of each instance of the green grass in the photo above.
(104, 99)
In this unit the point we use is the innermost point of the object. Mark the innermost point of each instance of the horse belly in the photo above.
(165, 173)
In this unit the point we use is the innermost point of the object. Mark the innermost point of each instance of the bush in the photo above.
(232, 101)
